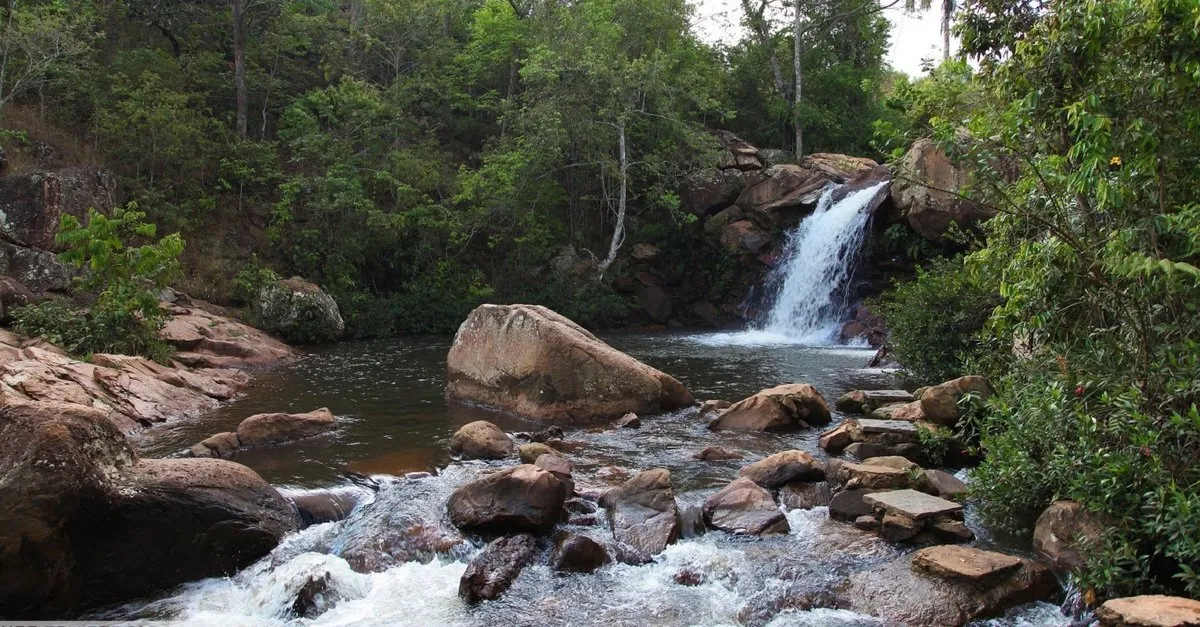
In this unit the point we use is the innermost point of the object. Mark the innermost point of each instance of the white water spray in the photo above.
(819, 259)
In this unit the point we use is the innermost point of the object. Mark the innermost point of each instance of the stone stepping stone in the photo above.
(964, 563)
(871, 425)
(887, 397)
(915, 505)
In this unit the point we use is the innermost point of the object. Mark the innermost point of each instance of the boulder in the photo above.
(577, 553)
(13, 294)
(266, 429)
(33, 203)
(782, 408)
(524, 498)
(484, 440)
(1063, 534)
(629, 421)
(805, 495)
(713, 406)
(850, 476)
(532, 361)
(913, 504)
(716, 454)
(645, 252)
(745, 508)
(37, 269)
(939, 590)
(780, 468)
(642, 512)
(707, 194)
(1152, 610)
(847, 505)
(89, 524)
(939, 404)
(220, 445)
(926, 189)
(852, 402)
(945, 484)
(529, 453)
(492, 572)
(322, 506)
(299, 312)
(206, 340)
(743, 238)
(781, 194)
(555, 464)
(655, 301)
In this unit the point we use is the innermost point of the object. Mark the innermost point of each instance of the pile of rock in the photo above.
(870, 437)
(914, 517)
(264, 430)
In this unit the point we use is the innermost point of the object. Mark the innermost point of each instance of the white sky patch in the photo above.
(915, 36)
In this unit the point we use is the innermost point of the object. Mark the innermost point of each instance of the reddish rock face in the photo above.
(264, 429)
(780, 468)
(33, 203)
(782, 408)
(643, 513)
(207, 340)
(744, 507)
(929, 210)
(532, 361)
(1150, 610)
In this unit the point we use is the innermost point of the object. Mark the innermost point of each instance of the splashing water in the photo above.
(820, 255)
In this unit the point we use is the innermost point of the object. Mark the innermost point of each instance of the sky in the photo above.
(914, 36)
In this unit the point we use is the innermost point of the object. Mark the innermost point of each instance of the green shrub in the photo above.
(934, 320)
(126, 283)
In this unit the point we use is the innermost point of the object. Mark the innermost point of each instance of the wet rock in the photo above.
(642, 512)
(529, 453)
(716, 454)
(849, 504)
(919, 196)
(851, 402)
(576, 553)
(1062, 534)
(629, 421)
(222, 445)
(782, 408)
(493, 571)
(866, 437)
(206, 340)
(532, 361)
(983, 568)
(299, 312)
(939, 404)
(945, 484)
(780, 468)
(952, 530)
(781, 194)
(88, 523)
(1149, 611)
(315, 597)
(713, 406)
(266, 429)
(899, 592)
(745, 508)
(898, 527)
(689, 577)
(559, 467)
(482, 440)
(865, 401)
(545, 435)
(524, 498)
(867, 523)
(322, 506)
(805, 494)
(872, 476)
(836, 440)
(913, 504)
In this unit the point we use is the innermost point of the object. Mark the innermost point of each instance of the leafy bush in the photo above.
(249, 282)
(934, 320)
(125, 280)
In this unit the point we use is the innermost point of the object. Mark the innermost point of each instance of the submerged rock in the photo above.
(89, 524)
(744, 507)
(1152, 610)
(266, 429)
(782, 408)
(524, 498)
(481, 440)
(947, 589)
(299, 312)
(716, 454)
(492, 572)
(315, 597)
(642, 513)
(805, 495)
(530, 360)
(780, 468)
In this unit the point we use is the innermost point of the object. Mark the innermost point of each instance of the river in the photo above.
(394, 420)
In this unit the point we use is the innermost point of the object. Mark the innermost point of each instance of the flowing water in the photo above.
(395, 420)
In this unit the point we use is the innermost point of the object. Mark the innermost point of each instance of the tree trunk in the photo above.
(798, 95)
(619, 231)
(759, 26)
(947, 12)
(239, 63)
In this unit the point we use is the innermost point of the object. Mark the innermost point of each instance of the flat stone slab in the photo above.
(915, 505)
(963, 563)
(1151, 611)
(871, 425)
(886, 397)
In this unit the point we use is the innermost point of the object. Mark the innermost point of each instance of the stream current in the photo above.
(394, 420)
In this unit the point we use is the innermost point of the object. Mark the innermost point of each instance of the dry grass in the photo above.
(73, 149)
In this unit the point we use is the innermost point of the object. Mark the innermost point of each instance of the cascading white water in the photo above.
(819, 259)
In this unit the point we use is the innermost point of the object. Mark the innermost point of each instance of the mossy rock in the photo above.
(299, 312)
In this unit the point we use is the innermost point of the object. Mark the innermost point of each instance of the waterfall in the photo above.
(818, 262)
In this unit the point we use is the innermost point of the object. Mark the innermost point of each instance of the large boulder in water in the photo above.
(782, 408)
(88, 524)
(926, 191)
(524, 498)
(482, 440)
(643, 514)
(532, 361)
(744, 507)
(277, 428)
(299, 312)
(775, 470)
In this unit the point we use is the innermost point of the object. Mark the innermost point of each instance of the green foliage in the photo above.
(934, 320)
(250, 281)
(126, 280)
